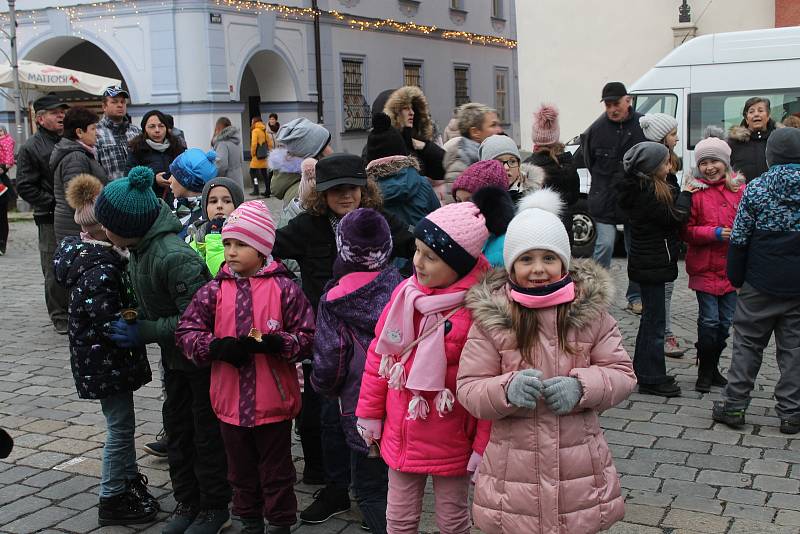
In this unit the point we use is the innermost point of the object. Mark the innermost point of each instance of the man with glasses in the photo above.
(114, 132)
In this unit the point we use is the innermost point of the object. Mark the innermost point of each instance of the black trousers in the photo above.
(197, 464)
(309, 427)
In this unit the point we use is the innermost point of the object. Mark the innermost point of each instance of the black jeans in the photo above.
(370, 484)
(197, 464)
(3, 223)
(335, 452)
(308, 426)
(648, 359)
(55, 295)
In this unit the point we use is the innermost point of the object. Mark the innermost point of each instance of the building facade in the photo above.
(202, 59)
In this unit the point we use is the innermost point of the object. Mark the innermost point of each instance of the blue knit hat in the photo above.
(193, 168)
(127, 206)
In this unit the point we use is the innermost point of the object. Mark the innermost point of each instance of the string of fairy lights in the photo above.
(102, 12)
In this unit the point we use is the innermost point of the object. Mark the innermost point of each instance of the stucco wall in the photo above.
(568, 50)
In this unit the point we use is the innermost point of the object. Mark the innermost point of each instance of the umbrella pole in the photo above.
(15, 70)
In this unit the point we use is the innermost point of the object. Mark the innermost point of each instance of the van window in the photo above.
(655, 103)
(725, 109)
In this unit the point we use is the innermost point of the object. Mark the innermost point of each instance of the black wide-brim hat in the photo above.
(340, 169)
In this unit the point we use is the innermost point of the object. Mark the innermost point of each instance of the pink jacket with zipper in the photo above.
(714, 205)
(541, 473)
(266, 390)
(435, 445)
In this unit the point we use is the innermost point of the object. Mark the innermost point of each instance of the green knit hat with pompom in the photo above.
(128, 206)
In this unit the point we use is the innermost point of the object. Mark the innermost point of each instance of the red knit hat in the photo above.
(251, 223)
(482, 174)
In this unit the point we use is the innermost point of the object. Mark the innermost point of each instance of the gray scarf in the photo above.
(160, 147)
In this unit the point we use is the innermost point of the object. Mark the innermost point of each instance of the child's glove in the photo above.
(369, 429)
(125, 335)
(269, 344)
(474, 463)
(229, 350)
(214, 226)
(525, 388)
(562, 393)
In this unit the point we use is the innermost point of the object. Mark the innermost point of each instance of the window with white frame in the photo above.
(356, 109)
(461, 79)
(501, 94)
(412, 73)
(497, 9)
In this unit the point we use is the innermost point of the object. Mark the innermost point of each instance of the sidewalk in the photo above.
(681, 472)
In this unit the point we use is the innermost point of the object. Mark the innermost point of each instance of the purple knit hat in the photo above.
(363, 241)
(482, 174)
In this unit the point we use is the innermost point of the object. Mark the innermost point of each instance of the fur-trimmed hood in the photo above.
(594, 291)
(384, 167)
(742, 133)
(280, 160)
(229, 133)
(732, 181)
(411, 96)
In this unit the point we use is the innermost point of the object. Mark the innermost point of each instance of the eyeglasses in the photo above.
(510, 164)
(115, 90)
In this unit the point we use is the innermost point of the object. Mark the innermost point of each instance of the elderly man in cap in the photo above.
(35, 186)
(603, 144)
(114, 132)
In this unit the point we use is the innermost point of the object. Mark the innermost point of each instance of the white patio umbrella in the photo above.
(46, 78)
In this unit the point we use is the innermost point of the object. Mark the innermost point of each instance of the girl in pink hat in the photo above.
(250, 324)
(407, 402)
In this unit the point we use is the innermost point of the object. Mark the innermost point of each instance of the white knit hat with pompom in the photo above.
(537, 226)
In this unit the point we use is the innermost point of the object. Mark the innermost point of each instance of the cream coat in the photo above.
(541, 473)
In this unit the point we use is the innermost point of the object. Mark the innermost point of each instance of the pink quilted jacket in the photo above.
(541, 473)
(435, 445)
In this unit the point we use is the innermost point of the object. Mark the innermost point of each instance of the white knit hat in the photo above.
(537, 226)
(656, 126)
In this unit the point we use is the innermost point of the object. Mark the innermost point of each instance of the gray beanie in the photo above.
(783, 146)
(237, 195)
(303, 138)
(498, 145)
(642, 159)
(656, 126)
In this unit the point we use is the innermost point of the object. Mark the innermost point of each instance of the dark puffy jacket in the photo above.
(562, 177)
(406, 193)
(338, 362)
(99, 287)
(34, 177)
(748, 150)
(310, 240)
(157, 161)
(603, 144)
(653, 257)
(69, 159)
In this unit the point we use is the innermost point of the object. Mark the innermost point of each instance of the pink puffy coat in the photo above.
(541, 473)
(266, 390)
(435, 445)
(713, 206)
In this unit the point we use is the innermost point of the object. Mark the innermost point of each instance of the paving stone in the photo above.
(784, 500)
(32, 440)
(736, 451)
(680, 487)
(69, 487)
(683, 420)
(684, 445)
(640, 482)
(764, 442)
(698, 504)
(81, 501)
(11, 511)
(620, 451)
(783, 456)
(710, 461)
(788, 517)
(41, 519)
(625, 438)
(714, 436)
(17, 473)
(70, 446)
(723, 478)
(45, 478)
(696, 521)
(659, 456)
(675, 472)
(645, 515)
(766, 467)
(748, 526)
(44, 426)
(629, 414)
(742, 496)
(45, 460)
(634, 467)
(654, 429)
(649, 498)
(776, 484)
(12, 492)
(748, 511)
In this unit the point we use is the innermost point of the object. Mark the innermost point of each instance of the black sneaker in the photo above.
(328, 502)
(251, 525)
(666, 389)
(789, 427)
(157, 448)
(365, 527)
(210, 521)
(733, 418)
(138, 487)
(313, 478)
(124, 509)
(183, 516)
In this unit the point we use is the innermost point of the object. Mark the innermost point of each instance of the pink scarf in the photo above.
(397, 341)
(559, 296)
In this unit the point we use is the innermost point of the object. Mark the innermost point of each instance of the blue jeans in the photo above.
(371, 485)
(335, 452)
(716, 312)
(119, 453)
(604, 244)
(648, 358)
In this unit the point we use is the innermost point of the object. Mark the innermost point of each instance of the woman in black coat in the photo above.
(656, 210)
(556, 169)
(748, 141)
(156, 148)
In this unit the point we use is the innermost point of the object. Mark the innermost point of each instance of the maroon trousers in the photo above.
(261, 471)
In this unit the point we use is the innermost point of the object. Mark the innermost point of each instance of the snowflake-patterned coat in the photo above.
(99, 287)
(266, 389)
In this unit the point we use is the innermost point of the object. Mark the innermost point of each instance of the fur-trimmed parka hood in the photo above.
(594, 292)
(384, 167)
(411, 96)
(742, 133)
(280, 160)
(733, 181)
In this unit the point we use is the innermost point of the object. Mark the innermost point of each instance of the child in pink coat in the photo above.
(707, 234)
(407, 400)
(542, 360)
(251, 323)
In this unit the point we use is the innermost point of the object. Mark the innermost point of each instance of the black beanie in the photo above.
(383, 140)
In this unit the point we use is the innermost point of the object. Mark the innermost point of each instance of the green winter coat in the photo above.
(211, 250)
(165, 273)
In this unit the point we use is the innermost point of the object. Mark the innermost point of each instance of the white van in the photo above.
(707, 80)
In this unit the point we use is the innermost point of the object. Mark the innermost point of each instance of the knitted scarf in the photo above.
(559, 292)
(158, 147)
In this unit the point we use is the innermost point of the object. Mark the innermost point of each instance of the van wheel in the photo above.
(583, 230)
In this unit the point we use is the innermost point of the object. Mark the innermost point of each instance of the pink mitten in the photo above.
(473, 465)
(370, 429)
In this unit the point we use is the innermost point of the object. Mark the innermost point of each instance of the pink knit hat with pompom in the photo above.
(545, 129)
(308, 177)
(456, 233)
(482, 174)
(251, 223)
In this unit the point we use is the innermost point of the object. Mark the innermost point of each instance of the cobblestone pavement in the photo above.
(681, 472)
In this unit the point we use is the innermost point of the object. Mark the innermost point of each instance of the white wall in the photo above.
(569, 50)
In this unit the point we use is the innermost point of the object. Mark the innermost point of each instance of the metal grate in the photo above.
(412, 74)
(501, 94)
(356, 109)
(461, 76)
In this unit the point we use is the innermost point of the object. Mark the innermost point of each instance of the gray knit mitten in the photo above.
(525, 388)
(562, 393)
